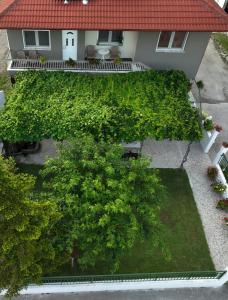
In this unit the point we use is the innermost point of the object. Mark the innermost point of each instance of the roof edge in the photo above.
(5, 4)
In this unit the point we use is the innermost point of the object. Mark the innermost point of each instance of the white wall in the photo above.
(127, 49)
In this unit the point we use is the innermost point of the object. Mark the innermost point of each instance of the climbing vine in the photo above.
(126, 107)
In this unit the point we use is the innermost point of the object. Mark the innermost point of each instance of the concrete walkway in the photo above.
(169, 155)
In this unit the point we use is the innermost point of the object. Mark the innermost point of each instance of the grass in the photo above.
(183, 234)
(222, 40)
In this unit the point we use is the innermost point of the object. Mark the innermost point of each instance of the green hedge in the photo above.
(126, 107)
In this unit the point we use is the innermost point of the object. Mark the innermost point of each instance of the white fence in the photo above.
(123, 285)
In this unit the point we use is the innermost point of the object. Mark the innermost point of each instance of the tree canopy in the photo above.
(127, 107)
(106, 202)
(25, 248)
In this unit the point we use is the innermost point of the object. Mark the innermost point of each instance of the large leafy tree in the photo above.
(25, 247)
(107, 202)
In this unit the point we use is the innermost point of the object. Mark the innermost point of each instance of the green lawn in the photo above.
(183, 234)
(222, 40)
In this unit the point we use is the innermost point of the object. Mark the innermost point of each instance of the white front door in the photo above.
(70, 41)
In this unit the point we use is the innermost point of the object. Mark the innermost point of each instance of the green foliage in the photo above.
(127, 107)
(25, 248)
(107, 202)
(208, 125)
(218, 187)
(5, 84)
(222, 204)
(70, 62)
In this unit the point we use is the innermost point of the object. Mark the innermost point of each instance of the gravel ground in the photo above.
(169, 155)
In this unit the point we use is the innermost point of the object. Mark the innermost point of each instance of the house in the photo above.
(161, 34)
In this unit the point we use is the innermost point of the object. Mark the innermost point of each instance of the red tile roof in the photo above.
(151, 15)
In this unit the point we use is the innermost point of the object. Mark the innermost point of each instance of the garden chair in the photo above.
(33, 54)
(114, 52)
(21, 55)
(90, 52)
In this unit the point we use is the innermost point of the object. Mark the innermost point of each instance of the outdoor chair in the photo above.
(33, 54)
(90, 52)
(114, 52)
(21, 55)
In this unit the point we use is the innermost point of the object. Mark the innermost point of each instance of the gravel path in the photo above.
(169, 155)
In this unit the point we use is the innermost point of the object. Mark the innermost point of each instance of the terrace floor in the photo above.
(97, 66)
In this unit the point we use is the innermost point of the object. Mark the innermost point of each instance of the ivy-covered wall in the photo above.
(125, 107)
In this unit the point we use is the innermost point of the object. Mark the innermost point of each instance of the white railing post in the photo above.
(207, 142)
(224, 278)
(223, 150)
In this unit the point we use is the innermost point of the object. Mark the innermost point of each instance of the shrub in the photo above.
(208, 125)
(212, 172)
(223, 203)
(218, 187)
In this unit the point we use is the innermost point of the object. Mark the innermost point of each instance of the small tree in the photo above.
(24, 226)
(107, 202)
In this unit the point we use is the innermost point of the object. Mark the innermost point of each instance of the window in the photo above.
(172, 41)
(110, 37)
(36, 39)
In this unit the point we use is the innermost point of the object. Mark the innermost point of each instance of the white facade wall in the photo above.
(127, 49)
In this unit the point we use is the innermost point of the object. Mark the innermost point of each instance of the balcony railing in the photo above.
(80, 66)
(135, 277)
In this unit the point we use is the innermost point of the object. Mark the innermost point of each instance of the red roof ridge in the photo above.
(5, 4)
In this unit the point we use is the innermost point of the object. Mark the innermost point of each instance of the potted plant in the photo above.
(94, 61)
(222, 203)
(208, 125)
(225, 144)
(42, 59)
(117, 61)
(218, 128)
(226, 220)
(70, 62)
(212, 172)
(218, 187)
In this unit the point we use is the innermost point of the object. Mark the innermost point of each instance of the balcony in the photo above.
(103, 66)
